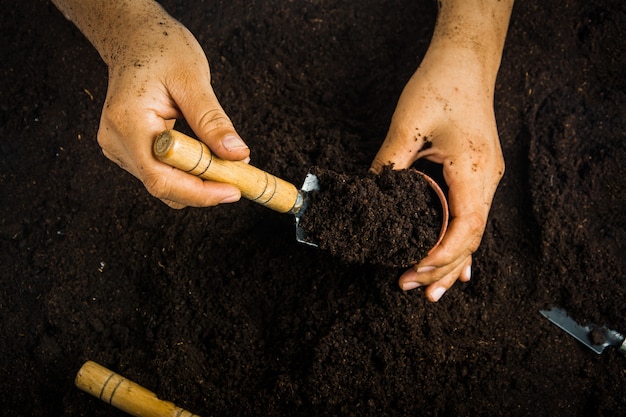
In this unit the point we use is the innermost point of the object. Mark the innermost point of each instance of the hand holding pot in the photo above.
(157, 73)
(445, 114)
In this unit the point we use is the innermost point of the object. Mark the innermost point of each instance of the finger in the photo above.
(173, 204)
(425, 273)
(434, 291)
(176, 187)
(469, 204)
(466, 272)
(209, 121)
(411, 124)
(396, 150)
(450, 260)
(172, 185)
(452, 253)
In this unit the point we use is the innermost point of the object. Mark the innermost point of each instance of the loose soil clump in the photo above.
(391, 219)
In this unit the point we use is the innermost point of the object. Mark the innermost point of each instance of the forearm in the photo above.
(475, 30)
(111, 26)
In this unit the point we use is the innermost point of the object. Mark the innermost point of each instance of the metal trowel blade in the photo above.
(311, 183)
(596, 338)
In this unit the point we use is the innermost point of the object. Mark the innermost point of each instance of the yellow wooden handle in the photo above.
(192, 156)
(124, 394)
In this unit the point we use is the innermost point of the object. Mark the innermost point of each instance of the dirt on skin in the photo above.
(220, 310)
(391, 219)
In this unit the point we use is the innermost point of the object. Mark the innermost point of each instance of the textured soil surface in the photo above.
(391, 219)
(222, 312)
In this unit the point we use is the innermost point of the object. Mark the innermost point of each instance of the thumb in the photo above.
(209, 121)
(394, 150)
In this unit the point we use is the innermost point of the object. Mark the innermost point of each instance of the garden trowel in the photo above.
(192, 156)
(596, 338)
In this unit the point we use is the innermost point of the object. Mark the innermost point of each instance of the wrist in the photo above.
(457, 69)
(474, 31)
(117, 29)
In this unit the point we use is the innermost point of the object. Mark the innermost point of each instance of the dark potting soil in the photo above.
(220, 311)
(391, 219)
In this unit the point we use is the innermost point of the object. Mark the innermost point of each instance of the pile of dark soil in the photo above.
(222, 312)
(391, 219)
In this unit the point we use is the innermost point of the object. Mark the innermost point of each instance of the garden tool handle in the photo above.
(190, 155)
(126, 395)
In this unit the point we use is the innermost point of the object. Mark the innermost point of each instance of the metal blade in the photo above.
(311, 183)
(596, 338)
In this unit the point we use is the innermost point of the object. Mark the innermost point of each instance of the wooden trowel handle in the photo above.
(124, 394)
(192, 156)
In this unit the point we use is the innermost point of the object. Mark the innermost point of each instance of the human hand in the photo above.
(157, 79)
(445, 114)
(157, 73)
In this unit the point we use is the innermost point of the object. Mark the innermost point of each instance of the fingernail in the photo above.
(410, 286)
(230, 199)
(437, 293)
(423, 269)
(233, 143)
(468, 272)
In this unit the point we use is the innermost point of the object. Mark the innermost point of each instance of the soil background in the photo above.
(222, 312)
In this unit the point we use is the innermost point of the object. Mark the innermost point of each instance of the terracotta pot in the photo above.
(444, 207)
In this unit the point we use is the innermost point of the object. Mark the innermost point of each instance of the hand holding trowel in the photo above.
(366, 230)
(596, 338)
(192, 156)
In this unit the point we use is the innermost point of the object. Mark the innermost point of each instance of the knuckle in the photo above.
(112, 150)
(173, 204)
(377, 165)
(114, 127)
(157, 185)
(104, 139)
(214, 119)
(476, 223)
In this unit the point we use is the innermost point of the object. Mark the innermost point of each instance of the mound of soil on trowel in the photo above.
(392, 219)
